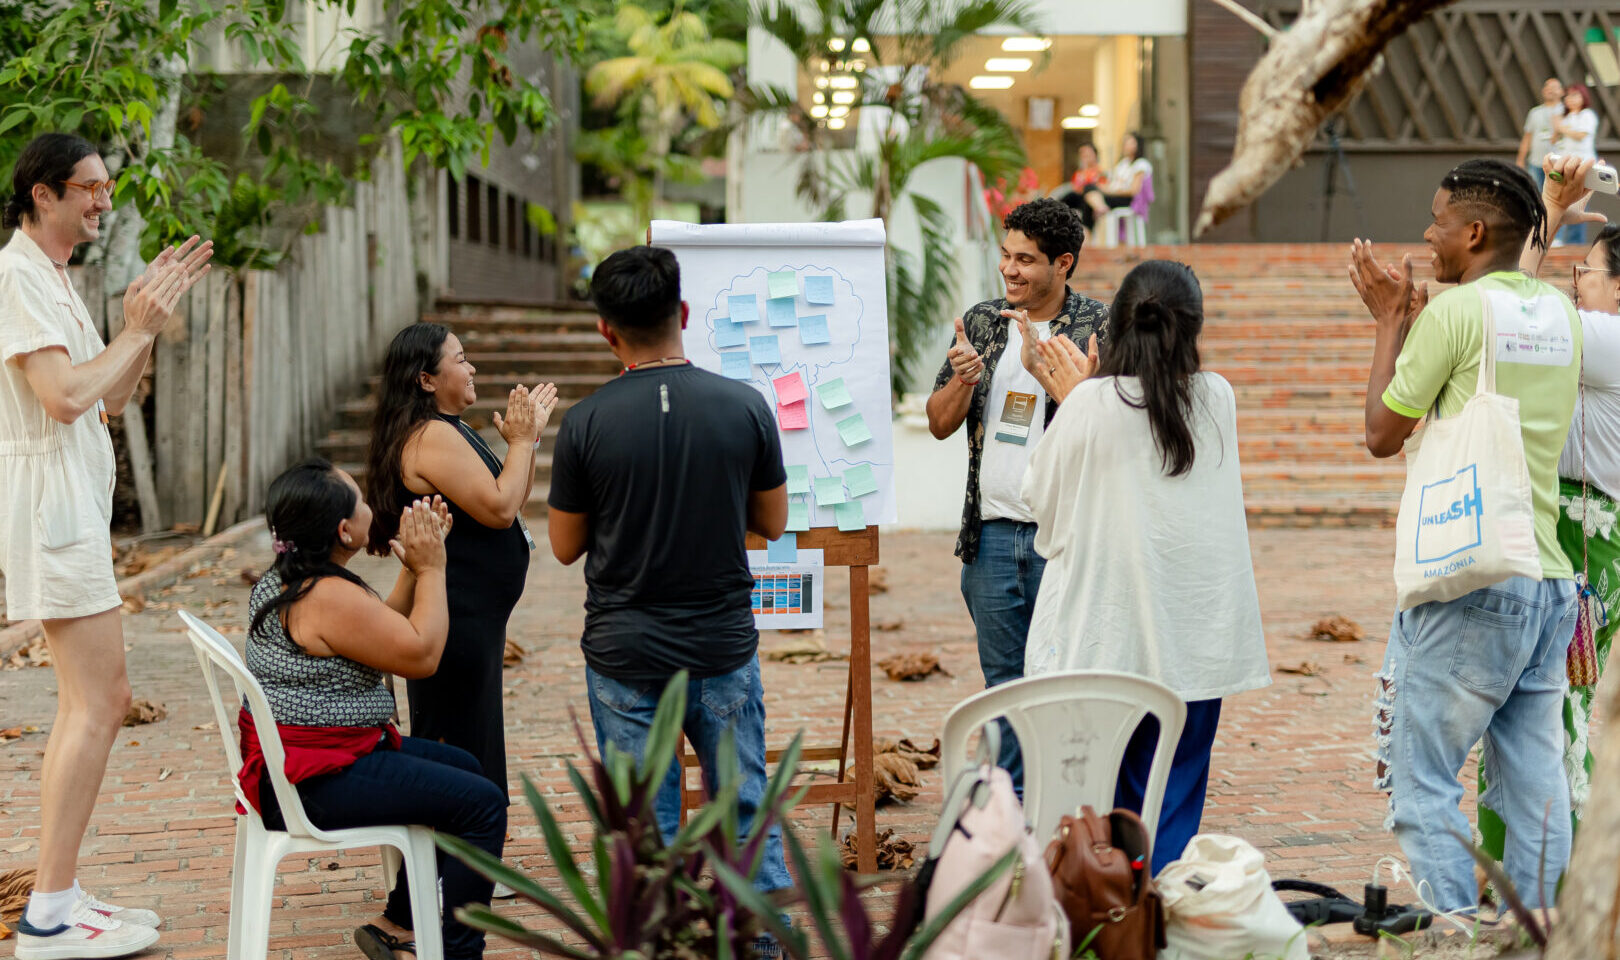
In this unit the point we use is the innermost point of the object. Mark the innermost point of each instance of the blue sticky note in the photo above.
(813, 329)
(854, 431)
(782, 283)
(784, 549)
(861, 480)
(798, 515)
(833, 394)
(764, 350)
(743, 308)
(779, 311)
(851, 515)
(829, 491)
(818, 290)
(728, 334)
(735, 365)
(798, 480)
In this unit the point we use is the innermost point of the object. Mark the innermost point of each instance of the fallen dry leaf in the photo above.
(35, 654)
(1304, 669)
(924, 759)
(165, 774)
(134, 604)
(877, 581)
(144, 711)
(888, 626)
(139, 559)
(5, 931)
(204, 726)
(1337, 629)
(893, 853)
(15, 885)
(803, 649)
(911, 666)
(11, 733)
(249, 576)
(514, 654)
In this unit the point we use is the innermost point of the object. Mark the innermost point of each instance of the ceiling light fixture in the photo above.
(836, 123)
(1025, 44)
(983, 82)
(844, 97)
(1090, 110)
(836, 44)
(818, 111)
(1008, 64)
(861, 45)
(849, 83)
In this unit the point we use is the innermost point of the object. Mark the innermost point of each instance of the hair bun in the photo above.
(16, 206)
(1152, 315)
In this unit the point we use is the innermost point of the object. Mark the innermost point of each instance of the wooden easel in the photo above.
(858, 552)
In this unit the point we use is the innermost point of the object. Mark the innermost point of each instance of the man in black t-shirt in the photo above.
(656, 479)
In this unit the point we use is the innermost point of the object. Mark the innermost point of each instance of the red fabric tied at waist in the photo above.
(311, 751)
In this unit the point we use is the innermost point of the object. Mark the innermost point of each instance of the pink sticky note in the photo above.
(790, 389)
(792, 416)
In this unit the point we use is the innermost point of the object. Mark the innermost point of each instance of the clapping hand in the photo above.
(423, 525)
(544, 398)
(522, 423)
(965, 361)
(1388, 291)
(1031, 337)
(150, 300)
(1060, 366)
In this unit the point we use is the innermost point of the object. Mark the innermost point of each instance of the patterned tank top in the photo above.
(305, 690)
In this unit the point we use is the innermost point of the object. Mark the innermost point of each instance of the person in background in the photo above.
(319, 642)
(1538, 129)
(60, 384)
(983, 384)
(1137, 496)
(420, 447)
(1576, 136)
(1127, 179)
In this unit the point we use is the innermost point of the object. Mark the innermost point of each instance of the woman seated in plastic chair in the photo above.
(319, 643)
(1138, 499)
(1129, 184)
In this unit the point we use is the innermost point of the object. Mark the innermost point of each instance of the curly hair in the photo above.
(1052, 224)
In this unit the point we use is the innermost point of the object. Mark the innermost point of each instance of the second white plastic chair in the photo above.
(1072, 728)
(259, 849)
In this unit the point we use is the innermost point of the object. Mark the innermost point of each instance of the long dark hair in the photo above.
(1609, 236)
(305, 505)
(401, 407)
(49, 159)
(1153, 335)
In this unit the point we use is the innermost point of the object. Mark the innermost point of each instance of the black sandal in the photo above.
(378, 944)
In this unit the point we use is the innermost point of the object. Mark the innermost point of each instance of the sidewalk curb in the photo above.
(18, 635)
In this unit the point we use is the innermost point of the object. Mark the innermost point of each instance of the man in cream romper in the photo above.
(58, 384)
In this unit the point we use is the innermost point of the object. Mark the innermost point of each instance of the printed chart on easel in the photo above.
(798, 311)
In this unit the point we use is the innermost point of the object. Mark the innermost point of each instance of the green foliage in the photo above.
(106, 68)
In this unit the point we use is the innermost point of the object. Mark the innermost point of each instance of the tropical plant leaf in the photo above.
(1504, 885)
(481, 917)
(761, 907)
(562, 857)
(934, 927)
(492, 868)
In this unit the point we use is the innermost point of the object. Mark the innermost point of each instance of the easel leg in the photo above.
(860, 680)
(843, 744)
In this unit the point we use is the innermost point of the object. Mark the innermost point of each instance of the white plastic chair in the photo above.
(1123, 219)
(1072, 728)
(259, 849)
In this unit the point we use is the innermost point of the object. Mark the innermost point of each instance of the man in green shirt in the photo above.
(1490, 663)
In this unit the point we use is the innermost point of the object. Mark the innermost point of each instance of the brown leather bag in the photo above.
(1102, 877)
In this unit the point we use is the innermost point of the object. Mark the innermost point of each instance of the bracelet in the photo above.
(971, 383)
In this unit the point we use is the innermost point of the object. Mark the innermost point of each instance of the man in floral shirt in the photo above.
(1003, 404)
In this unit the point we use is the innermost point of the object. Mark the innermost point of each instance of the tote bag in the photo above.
(1466, 520)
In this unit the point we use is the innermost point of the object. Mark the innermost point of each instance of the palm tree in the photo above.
(675, 74)
(911, 43)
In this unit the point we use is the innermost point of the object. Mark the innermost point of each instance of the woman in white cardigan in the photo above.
(1139, 500)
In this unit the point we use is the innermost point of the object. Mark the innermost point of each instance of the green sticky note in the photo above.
(829, 491)
(861, 481)
(798, 515)
(851, 516)
(854, 431)
(798, 480)
(783, 283)
(833, 394)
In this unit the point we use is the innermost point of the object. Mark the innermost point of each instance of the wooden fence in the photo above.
(252, 370)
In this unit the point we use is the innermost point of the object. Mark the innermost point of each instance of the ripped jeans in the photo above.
(1489, 664)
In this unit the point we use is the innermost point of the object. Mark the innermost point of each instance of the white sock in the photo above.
(47, 910)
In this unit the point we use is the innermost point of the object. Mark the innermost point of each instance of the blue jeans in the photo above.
(1185, 791)
(1489, 664)
(423, 782)
(999, 587)
(622, 713)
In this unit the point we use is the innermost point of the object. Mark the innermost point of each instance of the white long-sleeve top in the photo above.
(1146, 573)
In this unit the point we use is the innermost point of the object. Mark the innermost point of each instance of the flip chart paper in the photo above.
(813, 330)
(818, 290)
(798, 481)
(798, 515)
(783, 283)
(764, 350)
(789, 389)
(792, 416)
(851, 516)
(829, 490)
(854, 431)
(783, 550)
(833, 394)
(728, 334)
(743, 308)
(861, 481)
(780, 312)
(735, 365)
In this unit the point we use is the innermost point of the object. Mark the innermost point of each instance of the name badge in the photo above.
(1017, 413)
(528, 538)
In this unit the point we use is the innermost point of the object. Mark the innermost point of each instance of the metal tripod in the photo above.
(1336, 160)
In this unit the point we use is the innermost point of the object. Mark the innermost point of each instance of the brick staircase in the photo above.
(506, 345)
(1285, 327)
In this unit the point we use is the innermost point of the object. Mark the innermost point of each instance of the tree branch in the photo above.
(1247, 16)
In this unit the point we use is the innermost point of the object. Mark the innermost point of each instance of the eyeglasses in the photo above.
(1582, 270)
(100, 189)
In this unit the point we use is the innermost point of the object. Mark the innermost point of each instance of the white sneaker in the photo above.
(87, 935)
(135, 915)
(502, 892)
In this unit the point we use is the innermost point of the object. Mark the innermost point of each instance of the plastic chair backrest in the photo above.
(1072, 728)
(214, 651)
(1144, 197)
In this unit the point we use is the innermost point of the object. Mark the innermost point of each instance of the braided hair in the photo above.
(1503, 196)
(304, 507)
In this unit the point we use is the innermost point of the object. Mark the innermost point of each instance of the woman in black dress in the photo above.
(420, 447)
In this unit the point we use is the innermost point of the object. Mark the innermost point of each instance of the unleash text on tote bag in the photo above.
(1449, 513)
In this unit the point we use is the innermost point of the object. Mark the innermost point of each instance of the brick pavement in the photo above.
(1291, 769)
